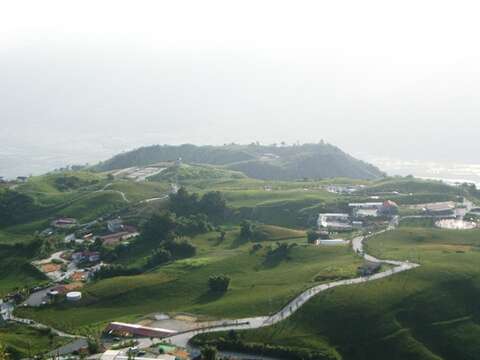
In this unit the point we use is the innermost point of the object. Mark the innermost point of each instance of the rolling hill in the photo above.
(256, 161)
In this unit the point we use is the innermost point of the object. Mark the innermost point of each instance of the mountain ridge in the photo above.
(268, 162)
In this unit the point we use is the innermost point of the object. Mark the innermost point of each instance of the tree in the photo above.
(15, 206)
(181, 248)
(218, 283)
(209, 353)
(160, 256)
(221, 236)
(312, 236)
(183, 204)
(4, 355)
(93, 343)
(213, 204)
(246, 229)
(159, 227)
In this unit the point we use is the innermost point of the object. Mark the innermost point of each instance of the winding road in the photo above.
(182, 339)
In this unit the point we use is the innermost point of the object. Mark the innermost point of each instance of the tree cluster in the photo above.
(15, 206)
(218, 283)
(312, 236)
(71, 182)
(212, 204)
(250, 231)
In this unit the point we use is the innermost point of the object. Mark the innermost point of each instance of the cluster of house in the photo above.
(344, 189)
(64, 223)
(438, 209)
(86, 256)
(130, 355)
(162, 350)
(6, 309)
(19, 179)
(118, 232)
(358, 212)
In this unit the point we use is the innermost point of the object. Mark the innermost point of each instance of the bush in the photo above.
(284, 352)
(218, 283)
(15, 206)
(247, 230)
(159, 227)
(209, 353)
(312, 236)
(192, 225)
(181, 248)
(159, 257)
(212, 204)
(116, 270)
(70, 182)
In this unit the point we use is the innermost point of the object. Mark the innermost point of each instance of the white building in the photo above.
(334, 221)
(115, 225)
(331, 242)
(123, 355)
(5, 311)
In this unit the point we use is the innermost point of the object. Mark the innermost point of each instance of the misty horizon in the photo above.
(373, 86)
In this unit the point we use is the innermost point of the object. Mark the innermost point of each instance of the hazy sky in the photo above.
(378, 78)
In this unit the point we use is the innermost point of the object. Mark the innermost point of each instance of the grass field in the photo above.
(257, 287)
(429, 313)
(138, 191)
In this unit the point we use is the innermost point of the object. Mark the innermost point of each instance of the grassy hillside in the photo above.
(429, 313)
(25, 342)
(407, 185)
(258, 286)
(184, 173)
(15, 267)
(256, 161)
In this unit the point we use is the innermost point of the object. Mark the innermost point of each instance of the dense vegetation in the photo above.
(256, 161)
(15, 207)
(15, 268)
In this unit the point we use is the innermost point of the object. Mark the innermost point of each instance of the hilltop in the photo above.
(269, 162)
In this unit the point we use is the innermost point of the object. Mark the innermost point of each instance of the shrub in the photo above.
(159, 227)
(116, 270)
(159, 257)
(209, 353)
(181, 248)
(312, 236)
(218, 283)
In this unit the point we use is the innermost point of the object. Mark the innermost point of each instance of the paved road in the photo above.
(69, 348)
(182, 339)
(38, 325)
(38, 297)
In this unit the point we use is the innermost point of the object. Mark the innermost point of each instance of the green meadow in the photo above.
(257, 287)
(429, 313)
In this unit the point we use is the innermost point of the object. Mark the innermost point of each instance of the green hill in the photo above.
(258, 286)
(256, 161)
(430, 313)
(186, 172)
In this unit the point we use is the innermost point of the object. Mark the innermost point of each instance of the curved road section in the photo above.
(182, 339)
